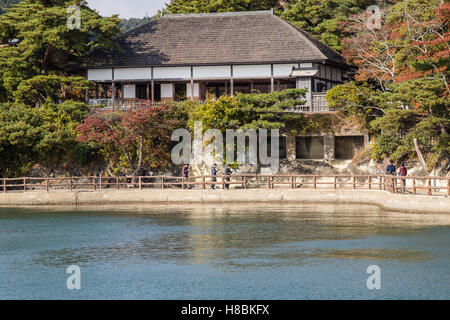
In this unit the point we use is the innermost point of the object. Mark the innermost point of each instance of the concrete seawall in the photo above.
(383, 199)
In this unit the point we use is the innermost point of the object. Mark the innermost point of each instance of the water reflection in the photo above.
(232, 237)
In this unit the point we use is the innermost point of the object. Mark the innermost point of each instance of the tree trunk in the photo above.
(141, 156)
(419, 154)
(45, 59)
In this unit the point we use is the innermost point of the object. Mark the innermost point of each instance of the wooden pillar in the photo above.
(113, 94)
(192, 89)
(148, 91)
(251, 86)
(153, 90)
(278, 85)
(231, 87)
(272, 85)
(226, 88)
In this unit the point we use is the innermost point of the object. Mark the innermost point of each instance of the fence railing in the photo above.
(402, 185)
(123, 104)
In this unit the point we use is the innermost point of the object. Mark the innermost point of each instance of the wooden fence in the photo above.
(403, 185)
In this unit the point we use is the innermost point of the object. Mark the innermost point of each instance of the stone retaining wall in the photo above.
(386, 200)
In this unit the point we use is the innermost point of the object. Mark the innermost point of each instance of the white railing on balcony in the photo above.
(318, 104)
(122, 104)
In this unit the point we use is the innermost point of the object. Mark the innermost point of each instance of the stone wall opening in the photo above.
(346, 147)
(309, 147)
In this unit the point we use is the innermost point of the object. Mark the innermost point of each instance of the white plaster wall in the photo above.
(283, 70)
(306, 65)
(172, 73)
(99, 74)
(133, 74)
(252, 71)
(208, 72)
(166, 90)
(196, 90)
(129, 91)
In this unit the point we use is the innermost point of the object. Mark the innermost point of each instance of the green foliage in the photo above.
(36, 91)
(399, 128)
(350, 98)
(44, 136)
(250, 111)
(46, 44)
(205, 6)
(322, 18)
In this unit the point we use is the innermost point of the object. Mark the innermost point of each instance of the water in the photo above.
(223, 252)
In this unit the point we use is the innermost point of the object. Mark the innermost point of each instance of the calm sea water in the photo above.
(223, 252)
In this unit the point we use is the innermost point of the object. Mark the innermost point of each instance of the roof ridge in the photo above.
(230, 13)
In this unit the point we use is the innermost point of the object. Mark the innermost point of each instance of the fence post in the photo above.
(140, 183)
(203, 183)
(268, 181)
(118, 184)
(380, 182)
(223, 182)
(93, 183)
(370, 182)
(4, 185)
(24, 184)
(414, 186)
(245, 182)
(448, 187)
(429, 186)
(402, 184)
(335, 182)
(162, 182)
(70, 183)
(315, 182)
(292, 182)
(354, 182)
(46, 184)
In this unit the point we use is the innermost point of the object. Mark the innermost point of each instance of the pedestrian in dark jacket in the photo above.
(214, 171)
(390, 169)
(185, 172)
(228, 172)
(403, 172)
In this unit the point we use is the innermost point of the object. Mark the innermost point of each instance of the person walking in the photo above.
(214, 171)
(228, 173)
(390, 169)
(402, 171)
(185, 173)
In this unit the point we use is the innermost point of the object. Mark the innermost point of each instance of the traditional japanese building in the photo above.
(203, 56)
(200, 56)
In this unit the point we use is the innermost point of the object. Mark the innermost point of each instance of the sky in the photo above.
(127, 8)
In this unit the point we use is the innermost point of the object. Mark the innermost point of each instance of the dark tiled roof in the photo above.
(216, 38)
